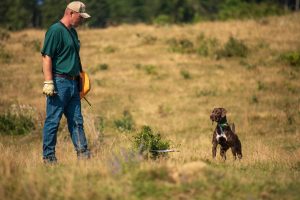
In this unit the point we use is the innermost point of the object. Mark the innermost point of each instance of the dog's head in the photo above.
(218, 115)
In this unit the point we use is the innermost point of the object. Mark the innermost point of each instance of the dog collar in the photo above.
(223, 125)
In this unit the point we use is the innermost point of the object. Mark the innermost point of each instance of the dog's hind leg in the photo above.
(239, 150)
(223, 152)
(234, 152)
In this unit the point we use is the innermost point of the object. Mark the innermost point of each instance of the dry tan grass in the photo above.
(172, 105)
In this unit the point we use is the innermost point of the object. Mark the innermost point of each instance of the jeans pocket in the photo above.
(61, 86)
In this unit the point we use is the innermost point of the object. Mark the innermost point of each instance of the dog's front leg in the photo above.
(214, 148)
(215, 144)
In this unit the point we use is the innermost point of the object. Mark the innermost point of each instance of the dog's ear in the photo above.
(214, 110)
(223, 112)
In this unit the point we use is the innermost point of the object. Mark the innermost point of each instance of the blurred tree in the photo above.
(297, 4)
(52, 11)
(4, 4)
(181, 11)
(99, 11)
(207, 9)
(18, 14)
(119, 11)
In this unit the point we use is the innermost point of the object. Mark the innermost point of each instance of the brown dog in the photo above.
(224, 135)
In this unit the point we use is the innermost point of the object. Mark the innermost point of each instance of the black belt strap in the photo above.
(66, 76)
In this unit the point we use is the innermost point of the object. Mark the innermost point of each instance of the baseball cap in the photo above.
(79, 7)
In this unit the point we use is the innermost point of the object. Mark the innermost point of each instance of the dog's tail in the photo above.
(233, 128)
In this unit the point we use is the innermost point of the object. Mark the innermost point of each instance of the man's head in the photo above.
(76, 12)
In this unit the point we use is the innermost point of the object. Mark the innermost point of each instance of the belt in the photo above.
(66, 76)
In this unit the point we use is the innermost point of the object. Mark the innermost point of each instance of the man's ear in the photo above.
(224, 111)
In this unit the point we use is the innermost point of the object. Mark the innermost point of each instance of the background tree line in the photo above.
(19, 14)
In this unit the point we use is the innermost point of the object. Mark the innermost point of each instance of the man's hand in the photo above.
(48, 88)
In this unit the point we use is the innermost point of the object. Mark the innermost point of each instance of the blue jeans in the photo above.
(67, 102)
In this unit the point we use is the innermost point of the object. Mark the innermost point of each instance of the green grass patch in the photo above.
(147, 39)
(206, 46)
(233, 48)
(35, 44)
(126, 123)
(11, 124)
(148, 69)
(99, 67)
(5, 56)
(205, 93)
(185, 74)
(150, 183)
(110, 49)
(181, 45)
(4, 34)
(162, 20)
(247, 65)
(292, 58)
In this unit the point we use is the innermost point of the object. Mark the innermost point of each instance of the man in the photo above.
(61, 68)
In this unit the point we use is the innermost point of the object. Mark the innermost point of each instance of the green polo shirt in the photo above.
(60, 47)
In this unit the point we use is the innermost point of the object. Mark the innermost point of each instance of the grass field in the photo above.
(169, 79)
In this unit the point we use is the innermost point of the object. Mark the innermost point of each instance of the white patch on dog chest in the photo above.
(220, 136)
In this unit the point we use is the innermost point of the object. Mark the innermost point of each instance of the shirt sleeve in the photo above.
(51, 43)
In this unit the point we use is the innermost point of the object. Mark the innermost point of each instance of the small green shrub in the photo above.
(146, 141)
(103, 67)
(185, 74)
(138, 66)
(233, 48)
(261, 85)
(162, 20)
(5, 56)
(33, 44)
(149, 69)
(254, 99)
(292, 58)
(247, 65)
(36, 45)
(99, 67)
(126, 123)
(147, 39)
(181, 46)
(110, 49)
(206, 46)
(4, 34)
(205, 93)
(11, 124)
(262, 45)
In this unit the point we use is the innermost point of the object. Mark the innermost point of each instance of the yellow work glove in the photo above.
(48, 88)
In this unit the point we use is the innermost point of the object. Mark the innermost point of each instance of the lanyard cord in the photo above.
(77, 50)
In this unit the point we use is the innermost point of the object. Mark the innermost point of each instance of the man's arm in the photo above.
(48, 88)
(47, 68)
